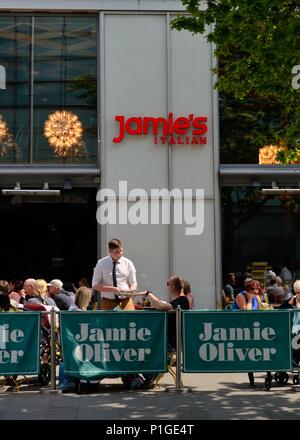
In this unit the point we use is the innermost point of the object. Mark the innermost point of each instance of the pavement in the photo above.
(205, 397)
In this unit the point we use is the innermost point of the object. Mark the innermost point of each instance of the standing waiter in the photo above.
(113, 275)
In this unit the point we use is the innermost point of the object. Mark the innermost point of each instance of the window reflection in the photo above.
(259, 227)
(62, 69)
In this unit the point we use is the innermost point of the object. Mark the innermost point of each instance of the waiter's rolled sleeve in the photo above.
(132, 274)
(98, 275)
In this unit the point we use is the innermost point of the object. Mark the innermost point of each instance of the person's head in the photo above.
(246, 281)
(55, 286)
(278, 281)
(83, 282)
(186, 287)
(30, 287)
(69, 286)
(4, 301)
(115, 247)
(175, 285)
(83, 297)
(230, 279)
(4, 286)
(41, 287)
(273, 282)
(18, 285)
(297, 288)
(252, 287)
(276, 294)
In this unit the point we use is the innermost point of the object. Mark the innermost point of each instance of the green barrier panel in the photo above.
(237, 341)
(19, 343)
(111, 342)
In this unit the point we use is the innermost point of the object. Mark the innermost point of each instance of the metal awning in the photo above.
(258, 175)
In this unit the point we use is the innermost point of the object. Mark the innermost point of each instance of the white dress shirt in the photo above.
(125, 273)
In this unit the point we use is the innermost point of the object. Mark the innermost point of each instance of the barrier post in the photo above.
(179, 388)
(53, 349)
(178, 348)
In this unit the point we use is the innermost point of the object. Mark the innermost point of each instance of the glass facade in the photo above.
(246, 127)
(51, 75)
(257, 229)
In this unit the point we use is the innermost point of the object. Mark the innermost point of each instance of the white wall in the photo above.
(148, 71)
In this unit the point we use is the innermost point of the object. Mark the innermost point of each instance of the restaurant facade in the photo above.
(110, 128)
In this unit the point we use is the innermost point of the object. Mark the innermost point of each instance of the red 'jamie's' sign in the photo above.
(182, 130)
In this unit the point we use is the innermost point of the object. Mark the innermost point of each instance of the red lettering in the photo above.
(194, 141)
(155, 125)
(181, 125)
(170, 123)
(121, 134)
(144, 125)
(139, 126)
(198, 124)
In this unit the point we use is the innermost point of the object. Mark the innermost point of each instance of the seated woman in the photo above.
(249, 299)
(82, 299)
(295, 300)
(177, 298)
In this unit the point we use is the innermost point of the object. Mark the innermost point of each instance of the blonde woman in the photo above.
(42, 292)
(82, 299)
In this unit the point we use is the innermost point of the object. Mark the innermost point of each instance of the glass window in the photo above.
(54, 59)
(246, 127)
(14, 103)
(259, 232)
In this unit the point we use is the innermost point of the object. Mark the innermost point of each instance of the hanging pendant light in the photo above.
(64, 130)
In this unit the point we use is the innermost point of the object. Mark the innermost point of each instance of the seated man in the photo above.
(275, 294)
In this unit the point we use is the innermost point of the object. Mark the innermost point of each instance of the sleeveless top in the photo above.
(255, 305)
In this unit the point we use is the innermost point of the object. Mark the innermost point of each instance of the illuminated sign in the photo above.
(180, 131)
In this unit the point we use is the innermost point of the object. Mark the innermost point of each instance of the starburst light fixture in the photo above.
(6, 139)
(3, 128)
(64, 130)
(267, 154)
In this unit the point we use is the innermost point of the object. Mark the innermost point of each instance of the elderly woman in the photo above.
(295, 300)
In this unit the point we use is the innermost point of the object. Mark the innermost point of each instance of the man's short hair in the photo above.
(115, 243)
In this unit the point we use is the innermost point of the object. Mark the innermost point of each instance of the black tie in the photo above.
(114, 276)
